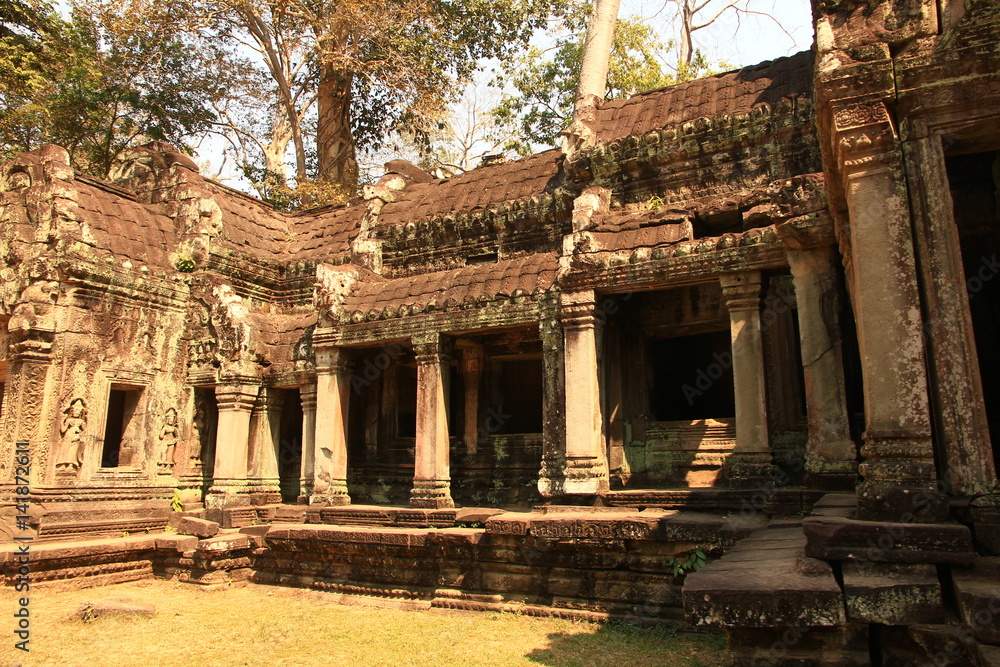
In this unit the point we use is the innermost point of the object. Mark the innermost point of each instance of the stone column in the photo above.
(586, 471)
(472, 373)
(307, 395)
(333, 390)
(831, 455)
(898, 470)
(229, 486)
(431, 465)
(551, 476)
(749, 465)
(265, 439)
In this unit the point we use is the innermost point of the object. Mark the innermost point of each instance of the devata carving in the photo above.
(169, 435)
(72, 429)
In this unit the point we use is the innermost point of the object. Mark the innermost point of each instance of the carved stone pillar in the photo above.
(831, 455)
(30, 401)
(431, 466)
(473, 360)
(586, 471)
(229, 485)
(749, 465)
(265, 439)
(551, 476)
(333, 391)
(307, 395)
(899, 471)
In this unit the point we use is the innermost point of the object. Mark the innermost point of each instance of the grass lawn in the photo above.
(270, 626)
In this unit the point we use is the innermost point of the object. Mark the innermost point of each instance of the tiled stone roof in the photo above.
(471, 285)
(141, 233)
(736, 92)
(479, 188)
(325, 234)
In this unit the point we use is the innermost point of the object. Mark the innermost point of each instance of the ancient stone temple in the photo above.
(719, 307)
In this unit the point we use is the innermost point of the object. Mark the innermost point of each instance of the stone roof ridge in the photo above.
(104, 185)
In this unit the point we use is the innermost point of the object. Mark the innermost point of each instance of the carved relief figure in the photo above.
(168, 440)
(73, 425)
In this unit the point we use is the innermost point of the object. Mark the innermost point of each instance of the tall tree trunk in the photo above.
(597, 52)
(337, 160)
(277, 146)
(687, 44)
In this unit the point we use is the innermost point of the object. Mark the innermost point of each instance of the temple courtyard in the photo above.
(270, 625)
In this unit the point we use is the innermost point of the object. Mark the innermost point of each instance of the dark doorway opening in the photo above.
(406, 402)
(692, 377)
(975, 181)
(122, 404)
(290, 446)
(520, 409)
(206, 421)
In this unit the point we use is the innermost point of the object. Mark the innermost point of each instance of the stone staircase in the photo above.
(833, 591)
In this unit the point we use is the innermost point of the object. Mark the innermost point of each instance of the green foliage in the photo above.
(175, 502)
(184, 264)
(94, 92)
(691, 563)
(543, 83)
(305, 193)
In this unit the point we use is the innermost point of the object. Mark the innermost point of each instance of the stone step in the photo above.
(892, 593)
(977, 593)
(765, 582)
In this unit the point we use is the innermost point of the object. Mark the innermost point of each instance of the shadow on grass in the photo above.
(617, 644)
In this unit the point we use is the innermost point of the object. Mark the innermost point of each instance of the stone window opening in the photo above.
(120, 426)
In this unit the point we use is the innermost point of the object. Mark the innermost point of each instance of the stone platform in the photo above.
(578, 562)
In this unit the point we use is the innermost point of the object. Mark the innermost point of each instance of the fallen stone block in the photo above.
(176, 542)
(764, 582)
(113, 606)
(197, 527)
(224, 542)
(255, 534)
(837, 538)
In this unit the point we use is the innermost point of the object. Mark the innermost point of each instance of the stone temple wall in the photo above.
(738, 293)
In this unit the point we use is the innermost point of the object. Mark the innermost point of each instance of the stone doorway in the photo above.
(975, 181)
(290, 446)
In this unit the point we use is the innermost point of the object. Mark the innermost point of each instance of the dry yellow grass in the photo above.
(272, 626)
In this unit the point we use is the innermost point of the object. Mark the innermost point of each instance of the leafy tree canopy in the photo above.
(70, 82)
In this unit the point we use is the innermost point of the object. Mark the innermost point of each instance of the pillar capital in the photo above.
(307, 395)
(431, 348)
(741, 290)
(241, 397)
(336, 360)
(578, 310)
